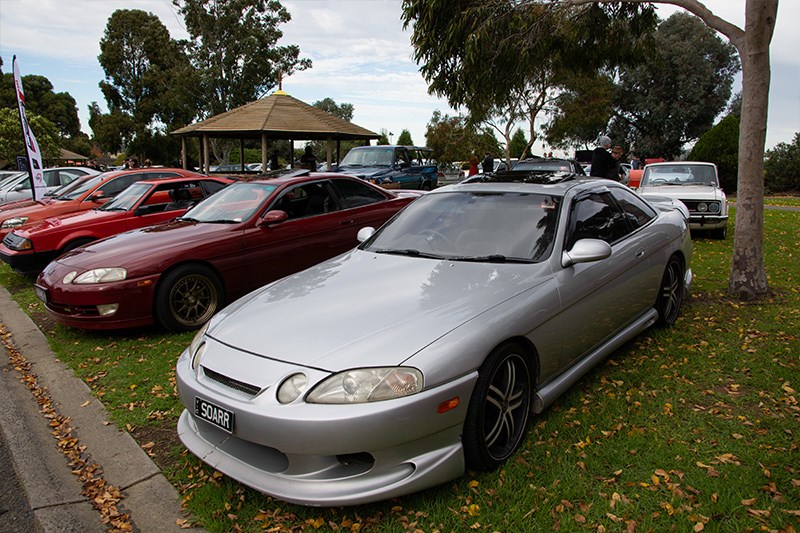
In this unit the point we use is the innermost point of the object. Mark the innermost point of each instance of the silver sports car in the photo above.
(395, 366)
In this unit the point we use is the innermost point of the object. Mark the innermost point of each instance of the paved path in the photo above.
(52, 492)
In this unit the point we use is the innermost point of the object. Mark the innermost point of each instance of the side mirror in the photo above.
(365, 233)
(276, 216)
(96, 196)
(586, 251)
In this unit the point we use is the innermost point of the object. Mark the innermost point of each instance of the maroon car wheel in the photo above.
(188, 297)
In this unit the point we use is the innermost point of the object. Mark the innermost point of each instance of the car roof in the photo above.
(673, 163)
(542, 177)
(558, 184)
(191, 177)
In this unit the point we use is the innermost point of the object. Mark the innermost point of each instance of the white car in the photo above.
(694, 183)
(19, 187)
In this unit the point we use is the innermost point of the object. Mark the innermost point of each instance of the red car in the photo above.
(179, 273)
(144, 203)
(80, 195)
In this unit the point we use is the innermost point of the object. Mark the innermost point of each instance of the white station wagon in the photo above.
(696, 184)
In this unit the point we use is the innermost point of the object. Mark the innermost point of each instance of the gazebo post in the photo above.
(183, 152)
(291, 152)
(241, 154)
(206, 158)
(264, 166)
(338, 151)
(329, 146)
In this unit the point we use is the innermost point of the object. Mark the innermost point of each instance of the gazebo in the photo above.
(277, 116)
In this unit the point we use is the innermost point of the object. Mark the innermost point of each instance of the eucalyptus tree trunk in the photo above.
(748, 277)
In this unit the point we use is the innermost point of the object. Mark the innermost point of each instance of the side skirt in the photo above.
(555, 388)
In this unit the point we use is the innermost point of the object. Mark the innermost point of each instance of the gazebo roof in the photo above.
(280, 116)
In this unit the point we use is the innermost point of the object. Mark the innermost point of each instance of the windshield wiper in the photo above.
(187, 219)
(411, 252)
(492, 258)
(221, 221)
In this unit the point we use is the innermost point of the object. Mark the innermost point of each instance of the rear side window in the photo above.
(596, 216)
(636, 210)
(356, 194)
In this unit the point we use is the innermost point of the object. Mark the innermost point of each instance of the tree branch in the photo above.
(734, 33)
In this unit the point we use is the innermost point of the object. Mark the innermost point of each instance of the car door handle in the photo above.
(346, 222)
(639, 254)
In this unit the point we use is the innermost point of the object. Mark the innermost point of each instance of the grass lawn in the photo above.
(691, 428)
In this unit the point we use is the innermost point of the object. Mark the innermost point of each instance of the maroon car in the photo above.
(179, 273)
(144, 203)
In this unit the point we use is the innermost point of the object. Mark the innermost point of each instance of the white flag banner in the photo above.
(31, 146)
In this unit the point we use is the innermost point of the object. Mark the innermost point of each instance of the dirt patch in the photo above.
(159, 441)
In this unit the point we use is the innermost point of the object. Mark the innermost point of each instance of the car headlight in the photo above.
(702, 207)
(713, 207)
(19, 244)
(364, 385)
(101, 275)
(198, 346)
(13, 222)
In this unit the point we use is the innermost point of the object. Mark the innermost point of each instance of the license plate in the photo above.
(41, 293)
(205, 410)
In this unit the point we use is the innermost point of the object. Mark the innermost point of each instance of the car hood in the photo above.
(68, 222)
(364, 172)
(695, 192)
(142, 251)
(366, 309)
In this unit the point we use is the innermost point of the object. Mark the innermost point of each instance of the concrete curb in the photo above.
(53, 491)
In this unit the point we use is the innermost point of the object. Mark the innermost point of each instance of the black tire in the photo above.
(670, 292)
(426, 186)
(499, 408)
(719, 233)
(187, 297)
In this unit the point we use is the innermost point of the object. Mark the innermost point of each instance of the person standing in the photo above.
(602, 161)
(307, 160)
(473, 166)
(273, 160)
(488, 163)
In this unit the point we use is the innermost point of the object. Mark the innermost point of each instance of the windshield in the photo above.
(491, 227)
(77, 188)
(368, 157)
(127, 199)
(679, 175)
(235, 203)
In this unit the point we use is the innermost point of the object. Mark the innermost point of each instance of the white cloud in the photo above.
(360, 51)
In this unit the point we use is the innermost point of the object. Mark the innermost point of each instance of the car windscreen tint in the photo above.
(679, 175)
(235, 203)
(368, 157)
(473, 226)
(128, 198)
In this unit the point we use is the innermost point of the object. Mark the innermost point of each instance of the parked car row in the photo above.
(328, 372)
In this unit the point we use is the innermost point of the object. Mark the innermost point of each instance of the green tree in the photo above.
(145, 86)
(405, 138)
(720, 145)
(12, 142)
(518, 143)
(384, 137)
(658, 113)
(41, 99)
(748, 277)
(581, 110)
(456, 139)
(233, 49)
(329, 105)
(782, 167)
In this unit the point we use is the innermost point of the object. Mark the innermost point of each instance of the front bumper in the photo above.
(27, 262)
(327, 455)
(77, 305)
(707, 222)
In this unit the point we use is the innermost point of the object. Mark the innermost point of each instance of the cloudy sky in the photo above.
(360, 52)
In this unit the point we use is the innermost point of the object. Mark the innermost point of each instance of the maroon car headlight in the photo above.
(363, 385)
(100, 275)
